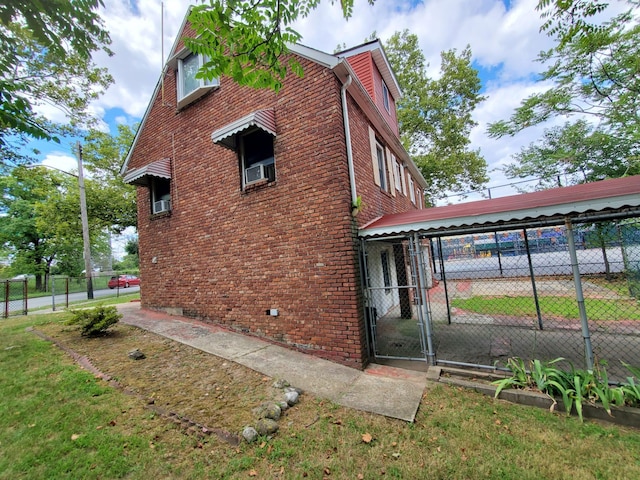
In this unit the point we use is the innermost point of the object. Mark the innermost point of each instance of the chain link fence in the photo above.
(13, 297)
(512, 293)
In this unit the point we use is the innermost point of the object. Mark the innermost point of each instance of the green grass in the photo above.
(57, 421)
(563, 307)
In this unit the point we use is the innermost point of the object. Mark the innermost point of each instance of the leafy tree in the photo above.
(247, 41)
(22, 192)
(42, 214)
(435, 115)
(573, 153)
(595, 75)
(46, 60)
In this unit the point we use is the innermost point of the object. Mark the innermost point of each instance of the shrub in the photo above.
(95, 321)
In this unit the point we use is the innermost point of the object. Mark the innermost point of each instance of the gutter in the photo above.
(347, 135)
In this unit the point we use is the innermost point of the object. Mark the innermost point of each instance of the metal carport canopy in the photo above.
(604, 200)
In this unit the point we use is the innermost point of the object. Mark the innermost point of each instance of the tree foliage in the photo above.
(573, 153)
(435, 115)
(247, 41)
(46, 61)
(41, 208)
(594, 70)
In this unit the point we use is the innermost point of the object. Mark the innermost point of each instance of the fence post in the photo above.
(533, 278)
(588, 350)
(6, 299)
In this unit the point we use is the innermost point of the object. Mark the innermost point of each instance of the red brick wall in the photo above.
(227, 256)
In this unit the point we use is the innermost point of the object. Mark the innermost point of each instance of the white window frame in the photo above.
(412, 191)
(385, 97)
(185, 98)
(398, 174)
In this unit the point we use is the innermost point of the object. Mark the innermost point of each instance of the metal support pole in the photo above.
(426, 320)
(53, 292)
(533, 279)
(444, 279)
(588, 350)
(85, 226)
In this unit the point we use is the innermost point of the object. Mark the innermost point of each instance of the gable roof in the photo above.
(603, 199)
(380, 59)
(343, 71)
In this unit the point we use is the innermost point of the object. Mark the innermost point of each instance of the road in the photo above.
(39, 302)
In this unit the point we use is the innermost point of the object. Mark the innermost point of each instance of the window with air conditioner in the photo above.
(160, 195)
(191, 88)
(256, 157)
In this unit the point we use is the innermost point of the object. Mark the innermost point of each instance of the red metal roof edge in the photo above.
(544, 198)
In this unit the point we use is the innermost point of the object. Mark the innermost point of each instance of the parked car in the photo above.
(123, 281)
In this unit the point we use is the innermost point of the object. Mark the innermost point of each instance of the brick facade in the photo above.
(228, 255)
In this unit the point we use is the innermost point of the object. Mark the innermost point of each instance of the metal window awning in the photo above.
(262, 119)
(140, 176)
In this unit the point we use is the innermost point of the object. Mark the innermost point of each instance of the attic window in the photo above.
(191, 88)
(385, 96)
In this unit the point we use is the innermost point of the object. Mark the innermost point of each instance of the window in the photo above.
(412, 191)
(386, 272)
(256, 157)
(398, 174)
(382, 169)
(160, 195)
(191, 88)
(385, 96)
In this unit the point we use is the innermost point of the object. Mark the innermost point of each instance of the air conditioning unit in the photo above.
(161, 206)
(253, 174)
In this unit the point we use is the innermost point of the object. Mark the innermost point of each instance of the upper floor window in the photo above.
(412, 191)
(385, 96)
(382, 167)
(257, 158)
(191, 88)
(397, 170)
(160, 195)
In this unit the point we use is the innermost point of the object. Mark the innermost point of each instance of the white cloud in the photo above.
(61, 161)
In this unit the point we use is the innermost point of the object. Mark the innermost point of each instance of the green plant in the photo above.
(95, 321)
(577, 387)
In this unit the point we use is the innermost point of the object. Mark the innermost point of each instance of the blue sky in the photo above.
(503, 35)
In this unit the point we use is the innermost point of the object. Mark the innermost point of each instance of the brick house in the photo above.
(245, 197)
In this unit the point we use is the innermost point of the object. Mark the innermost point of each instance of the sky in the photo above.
(503, 35)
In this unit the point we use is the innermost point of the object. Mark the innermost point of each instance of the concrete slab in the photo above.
(384, 390)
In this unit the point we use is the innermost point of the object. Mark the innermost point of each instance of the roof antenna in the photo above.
(162, 49)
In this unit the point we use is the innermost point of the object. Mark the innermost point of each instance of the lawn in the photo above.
(553, 306)
(58, 421)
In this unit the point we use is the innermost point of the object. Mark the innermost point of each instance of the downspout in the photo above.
(347, 136)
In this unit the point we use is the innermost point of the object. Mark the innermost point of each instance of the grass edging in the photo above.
(625, 416)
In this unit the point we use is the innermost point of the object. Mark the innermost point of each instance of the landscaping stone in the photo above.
(249, 434)
(280, 383)
(268, 410)
(283, 405)
(291, 398)
(266, 426)
(136, 354)
(293, 389)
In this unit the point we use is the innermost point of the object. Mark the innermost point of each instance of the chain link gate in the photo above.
(396, 306)
(13, 297)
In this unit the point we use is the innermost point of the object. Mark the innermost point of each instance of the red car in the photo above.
(123, 281)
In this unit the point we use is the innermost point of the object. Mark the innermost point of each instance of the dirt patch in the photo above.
(175, 378)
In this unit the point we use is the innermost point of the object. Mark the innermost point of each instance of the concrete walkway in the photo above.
(383, 390)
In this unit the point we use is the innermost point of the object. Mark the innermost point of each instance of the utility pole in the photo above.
(85, 226)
